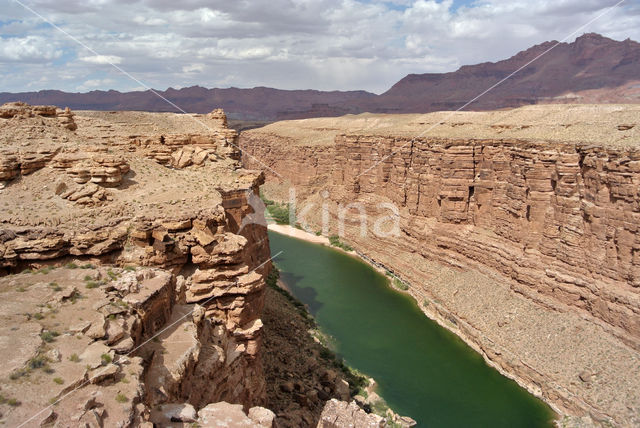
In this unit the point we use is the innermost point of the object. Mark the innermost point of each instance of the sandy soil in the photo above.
(285, 229)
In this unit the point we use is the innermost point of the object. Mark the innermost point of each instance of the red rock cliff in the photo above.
(551, 208)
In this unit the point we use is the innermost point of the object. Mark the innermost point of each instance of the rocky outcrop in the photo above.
(22, 110)
(548, 216)
(11, 110)
(184, 150)
(164, 316)
(337, 414)
(128, 351)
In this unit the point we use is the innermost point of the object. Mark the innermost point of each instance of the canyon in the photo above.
(133, 291)
(592, 69)
(517, 231)
(138, 286)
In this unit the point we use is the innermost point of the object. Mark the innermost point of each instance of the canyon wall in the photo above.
(552, 218)
(562, 220)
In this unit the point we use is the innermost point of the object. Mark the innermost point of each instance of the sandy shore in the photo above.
(285, 229)
(293, 232)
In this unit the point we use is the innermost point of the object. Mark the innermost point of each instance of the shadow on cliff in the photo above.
(306, 295)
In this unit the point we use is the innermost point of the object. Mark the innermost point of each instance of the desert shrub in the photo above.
(335, 241)
(280, 212)
(38, 362)
(49, 336)
(400, 285)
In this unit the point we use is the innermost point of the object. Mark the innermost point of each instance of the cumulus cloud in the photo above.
(102, 59)
(290, 44)
(95, 84)
(193, 68)
(27, 49)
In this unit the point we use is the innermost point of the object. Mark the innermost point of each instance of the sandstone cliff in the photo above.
(540, 202)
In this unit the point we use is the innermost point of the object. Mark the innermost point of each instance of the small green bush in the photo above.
(267, 202)
(58, 380)
(281, 213)
(272, 278)
(106, 358)
(74, 358)
(121, 398)
(49, 336)
(18, 374)
(335, 241)
(38, 362)
(400, 285)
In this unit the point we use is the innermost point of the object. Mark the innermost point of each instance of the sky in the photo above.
(288, 44)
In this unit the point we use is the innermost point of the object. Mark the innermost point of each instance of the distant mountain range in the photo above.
(591, 69)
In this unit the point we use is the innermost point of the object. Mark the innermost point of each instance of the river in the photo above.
(422, 370)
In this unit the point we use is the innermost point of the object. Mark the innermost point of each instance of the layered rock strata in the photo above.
(543, 200)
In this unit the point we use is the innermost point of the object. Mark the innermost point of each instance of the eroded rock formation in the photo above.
(165, 317)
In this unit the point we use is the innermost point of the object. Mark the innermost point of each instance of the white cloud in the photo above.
(193, 68)
(322, 44)
(28, 49)
(92, 84)
(145, 20)
(102, 59)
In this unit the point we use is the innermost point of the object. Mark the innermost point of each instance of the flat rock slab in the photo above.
(18, 344)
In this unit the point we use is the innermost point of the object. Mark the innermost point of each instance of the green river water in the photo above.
(422, 370)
